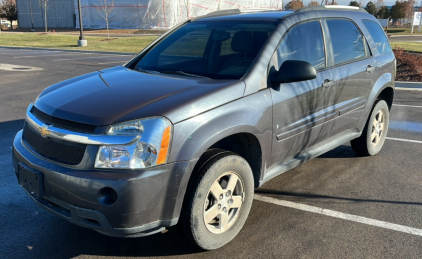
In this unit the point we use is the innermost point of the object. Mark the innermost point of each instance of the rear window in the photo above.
(378, 36)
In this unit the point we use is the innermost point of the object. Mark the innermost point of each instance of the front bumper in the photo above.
(148, 200)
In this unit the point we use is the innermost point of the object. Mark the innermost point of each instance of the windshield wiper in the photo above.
(182, 73)
(146, 71)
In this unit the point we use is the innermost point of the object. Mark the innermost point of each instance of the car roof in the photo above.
(242, 15)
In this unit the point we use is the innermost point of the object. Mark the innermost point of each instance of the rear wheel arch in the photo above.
(386, 94)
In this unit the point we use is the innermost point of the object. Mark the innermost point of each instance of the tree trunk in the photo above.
(45, 18)
(108, 35)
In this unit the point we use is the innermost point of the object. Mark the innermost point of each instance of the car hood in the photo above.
(119, 94)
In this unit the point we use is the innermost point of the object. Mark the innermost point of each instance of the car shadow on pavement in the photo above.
(88, 242)
(8, 130)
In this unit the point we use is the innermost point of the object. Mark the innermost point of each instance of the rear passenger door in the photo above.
(350, 55)
(302, 110)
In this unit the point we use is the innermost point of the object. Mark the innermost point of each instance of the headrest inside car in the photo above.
(242, 42)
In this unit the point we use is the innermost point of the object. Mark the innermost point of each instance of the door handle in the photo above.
(327, 83)
(370, 68)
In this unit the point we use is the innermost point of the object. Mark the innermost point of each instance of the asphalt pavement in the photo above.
(335, 206)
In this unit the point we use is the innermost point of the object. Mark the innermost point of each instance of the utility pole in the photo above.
(82, 41)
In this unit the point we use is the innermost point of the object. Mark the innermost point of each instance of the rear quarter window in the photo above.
(378, 36)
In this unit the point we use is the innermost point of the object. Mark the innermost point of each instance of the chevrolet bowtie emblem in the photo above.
(44, 131)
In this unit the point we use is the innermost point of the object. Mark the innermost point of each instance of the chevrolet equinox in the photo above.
(217, 106)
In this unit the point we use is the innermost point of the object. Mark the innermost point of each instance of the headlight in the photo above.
(150, 149)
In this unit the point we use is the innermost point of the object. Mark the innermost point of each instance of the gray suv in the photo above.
(184, 132)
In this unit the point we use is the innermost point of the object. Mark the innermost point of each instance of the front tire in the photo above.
(219, 200)
(375, 131)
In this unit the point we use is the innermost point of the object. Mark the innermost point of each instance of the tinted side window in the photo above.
(303, 42)
(378, 36)
(347, 41)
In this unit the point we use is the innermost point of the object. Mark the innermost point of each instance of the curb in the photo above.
(94, 34)
(111, 35)
(409, 85)
(398, 36)
(71, 50)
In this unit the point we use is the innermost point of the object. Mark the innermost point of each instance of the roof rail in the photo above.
(227, 11)
(331, 7)
(237, 11)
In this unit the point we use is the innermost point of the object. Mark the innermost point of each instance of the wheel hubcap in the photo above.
(223, 203)
(378, 128)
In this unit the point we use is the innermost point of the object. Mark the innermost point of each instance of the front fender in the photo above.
(251, 114)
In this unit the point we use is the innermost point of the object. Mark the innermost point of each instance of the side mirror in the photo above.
(293, 71)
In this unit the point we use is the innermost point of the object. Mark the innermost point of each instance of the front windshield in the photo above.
(218, 50)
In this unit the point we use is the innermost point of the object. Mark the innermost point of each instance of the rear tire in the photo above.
(219, 200)
(375, 131)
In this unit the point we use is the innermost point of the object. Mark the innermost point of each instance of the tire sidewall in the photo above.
(203, 237)
(373, 150)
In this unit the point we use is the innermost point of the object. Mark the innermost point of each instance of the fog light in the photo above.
(107, 196)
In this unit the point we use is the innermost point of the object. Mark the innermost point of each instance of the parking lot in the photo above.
(335, 206)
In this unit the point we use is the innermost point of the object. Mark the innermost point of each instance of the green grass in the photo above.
(57, 41)
(408, 46)
(403, 31)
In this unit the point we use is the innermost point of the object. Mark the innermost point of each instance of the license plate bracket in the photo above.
(31, 180)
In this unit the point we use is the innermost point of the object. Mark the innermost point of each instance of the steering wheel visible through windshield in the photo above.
(213, 49)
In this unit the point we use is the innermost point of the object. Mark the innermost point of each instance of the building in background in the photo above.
(61, 14)
(131, 14)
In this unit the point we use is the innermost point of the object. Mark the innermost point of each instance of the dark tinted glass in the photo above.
(303, 42)
(210, 49)
(347, 41)
(378, 36)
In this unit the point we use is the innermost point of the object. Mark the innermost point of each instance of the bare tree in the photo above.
(409, 10)
(379, 4)
(45, 5)
(104, 9)
(313, 3)
(294, 5)
(329, 2)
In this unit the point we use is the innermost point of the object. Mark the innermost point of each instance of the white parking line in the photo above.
(121, 62)
(340, 215)
(109, 56)
(405, 140)
(410, 106)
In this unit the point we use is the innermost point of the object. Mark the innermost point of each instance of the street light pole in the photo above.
(32, 18)
(81, 42)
